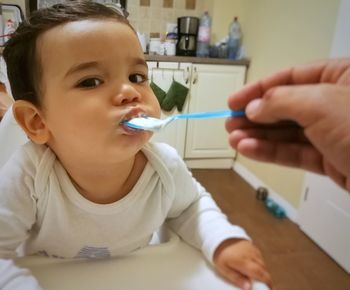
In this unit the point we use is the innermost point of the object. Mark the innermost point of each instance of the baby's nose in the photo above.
(127, 95)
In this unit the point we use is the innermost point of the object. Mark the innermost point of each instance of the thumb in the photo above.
(302, 104)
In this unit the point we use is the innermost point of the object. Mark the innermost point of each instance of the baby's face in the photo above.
(94, 76)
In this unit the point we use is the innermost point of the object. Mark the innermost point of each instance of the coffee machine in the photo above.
(187, 29)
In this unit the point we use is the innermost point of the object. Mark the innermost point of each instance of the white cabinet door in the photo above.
(325, 211)
(324, 215)
(163, 75)
(211, 86)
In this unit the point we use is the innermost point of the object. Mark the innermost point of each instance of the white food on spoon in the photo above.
(145, 123)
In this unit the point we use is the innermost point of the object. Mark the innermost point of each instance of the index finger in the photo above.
(305, 74)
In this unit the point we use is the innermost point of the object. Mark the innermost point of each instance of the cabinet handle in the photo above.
(306, 194)
(187, 75)
(195, 75)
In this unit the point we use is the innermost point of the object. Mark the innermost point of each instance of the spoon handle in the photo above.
(215, 114)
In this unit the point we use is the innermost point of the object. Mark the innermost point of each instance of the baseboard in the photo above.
(214, 163)
(255, 182)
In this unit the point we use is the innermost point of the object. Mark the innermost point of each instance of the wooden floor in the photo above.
(294, 261)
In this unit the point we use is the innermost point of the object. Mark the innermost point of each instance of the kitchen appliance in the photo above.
(187, 29)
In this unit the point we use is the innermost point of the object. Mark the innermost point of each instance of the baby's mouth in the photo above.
(129, 116)
(133, 113)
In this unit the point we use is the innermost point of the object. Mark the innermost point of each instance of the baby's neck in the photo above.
(109, 185)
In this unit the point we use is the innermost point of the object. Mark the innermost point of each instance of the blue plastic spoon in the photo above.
(155, 125)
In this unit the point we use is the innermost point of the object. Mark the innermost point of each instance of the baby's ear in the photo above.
(30, 119)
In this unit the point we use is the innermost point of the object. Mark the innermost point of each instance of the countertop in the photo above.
(191, 59)
(201, 60)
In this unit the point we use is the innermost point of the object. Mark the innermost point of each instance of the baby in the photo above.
(77, 71)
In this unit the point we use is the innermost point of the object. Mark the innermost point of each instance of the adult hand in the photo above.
(298, 117)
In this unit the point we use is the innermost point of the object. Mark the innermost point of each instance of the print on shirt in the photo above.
(93, 252)
(43, 253)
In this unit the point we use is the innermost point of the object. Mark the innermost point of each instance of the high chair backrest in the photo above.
(11, 136)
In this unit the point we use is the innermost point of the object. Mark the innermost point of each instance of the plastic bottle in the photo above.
(1, 27)
(234, 39)
(9, 29)
(203, 39)
(275, 209)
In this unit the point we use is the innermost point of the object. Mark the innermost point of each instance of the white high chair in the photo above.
(168, 263)
(11, 136)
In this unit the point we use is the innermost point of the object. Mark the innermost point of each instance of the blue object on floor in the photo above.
(275, 209)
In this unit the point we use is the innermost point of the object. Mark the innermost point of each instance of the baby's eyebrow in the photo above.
(82, 66)
(140, 61)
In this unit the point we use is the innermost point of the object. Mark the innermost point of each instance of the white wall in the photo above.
(341, 40)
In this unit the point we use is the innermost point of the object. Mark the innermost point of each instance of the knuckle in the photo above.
(271, 94)
(255, 270)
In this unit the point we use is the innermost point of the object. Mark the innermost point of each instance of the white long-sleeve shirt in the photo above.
(41, 210)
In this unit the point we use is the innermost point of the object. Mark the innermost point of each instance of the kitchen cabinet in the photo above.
(201, 143)
(324, 215)
(211, 86)
(163, 74)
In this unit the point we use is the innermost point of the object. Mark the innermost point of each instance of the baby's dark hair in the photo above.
(23, 66)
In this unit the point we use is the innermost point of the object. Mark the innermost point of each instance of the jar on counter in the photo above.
(170, 47)
(154, 46)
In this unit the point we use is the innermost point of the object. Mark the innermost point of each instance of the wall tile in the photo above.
(156, 13)
(168, 3)
(179, 4)
(153, 18)
(193, 13)
(152, 15)
(144, 13)
(145, 3)
(156, 26)
(178, 13)
(132, 2)
(168, 14)
(157, 3)
(133, 12)
(144, 26)
(191, 4)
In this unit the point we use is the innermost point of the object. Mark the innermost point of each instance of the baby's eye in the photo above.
(138, 78)
(89, 83)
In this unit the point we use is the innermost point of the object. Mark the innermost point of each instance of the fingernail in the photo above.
(246, 286)
(253, 108)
